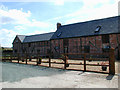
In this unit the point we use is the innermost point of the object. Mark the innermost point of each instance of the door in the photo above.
(65, 45)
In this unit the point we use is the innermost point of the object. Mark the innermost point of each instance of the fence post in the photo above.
(10, 57)
(111, 61)
(29, 57)
(38, 59)
(49, 60)
(84, 62)
(26, 58)
(18, 57)
(65, 62)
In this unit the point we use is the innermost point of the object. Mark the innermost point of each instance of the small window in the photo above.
(106, 48)
(47, 43)
(87, 49)
(97, 29)
(41, 44)
(15, 51)
(48, 51)
(105, 39)
(38, 51)
(65, 42)
(29, 44)
(56, 47)
(23, 50)
(59, 34)
(65, 49)
(32, 51)
(16, 41)
(44, 43)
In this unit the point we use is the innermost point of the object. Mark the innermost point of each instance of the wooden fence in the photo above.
(85, 57)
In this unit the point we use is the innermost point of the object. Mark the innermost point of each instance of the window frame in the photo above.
(105, 38)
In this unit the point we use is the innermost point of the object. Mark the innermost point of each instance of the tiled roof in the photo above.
(38, 37)
(108, 26)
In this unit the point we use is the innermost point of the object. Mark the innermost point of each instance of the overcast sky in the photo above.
(28, 18)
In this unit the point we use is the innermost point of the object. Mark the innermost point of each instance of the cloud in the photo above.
(19, 28)
(39, 24)
(3, 7)
(89, 3)
(15, 16)
(6, 37)
(6, 20)
(90, 12)
(37, 32)
(59, 2)
(21, 22)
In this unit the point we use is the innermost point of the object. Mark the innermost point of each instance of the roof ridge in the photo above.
(90, 21)
(41, 34)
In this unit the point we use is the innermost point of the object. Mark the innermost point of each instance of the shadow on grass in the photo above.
(12, 72)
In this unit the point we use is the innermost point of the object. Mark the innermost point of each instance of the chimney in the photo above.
(58, 25)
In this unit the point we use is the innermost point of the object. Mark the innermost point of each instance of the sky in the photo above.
(36, 17)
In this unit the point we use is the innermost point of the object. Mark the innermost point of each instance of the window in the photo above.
(16, 41)
(97, 29)
(87, 49)
(59, 34)
(15, 51)
(29, 44)
(105, 39)
(56, 47)
(48, 51)
(41, 44)
(23, 50)
(106, 48)
(46, 43)
(38, 51)
(65, 49)
(65, 42)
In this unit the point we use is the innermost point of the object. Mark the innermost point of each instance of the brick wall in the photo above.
(40, 48)
(76, 45)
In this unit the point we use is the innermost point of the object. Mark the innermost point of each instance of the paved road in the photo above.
(27, 76)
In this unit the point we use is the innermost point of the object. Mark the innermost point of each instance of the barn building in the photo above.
(87, 37)
(33, 44)
(84, 37)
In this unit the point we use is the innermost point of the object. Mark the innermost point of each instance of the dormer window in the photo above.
(97, 29)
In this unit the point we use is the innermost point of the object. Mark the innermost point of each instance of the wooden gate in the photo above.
(86, 62)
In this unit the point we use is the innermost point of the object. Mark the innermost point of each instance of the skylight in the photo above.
(59, 34)
(97, 29)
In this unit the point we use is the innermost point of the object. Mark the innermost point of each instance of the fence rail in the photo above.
(104, 60)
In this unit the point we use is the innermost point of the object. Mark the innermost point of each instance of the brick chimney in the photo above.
(58, 25)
